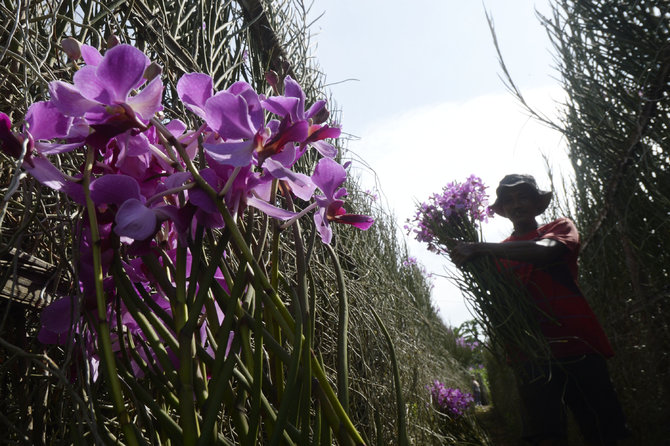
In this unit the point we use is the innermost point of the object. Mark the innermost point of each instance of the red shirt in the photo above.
(566, 319)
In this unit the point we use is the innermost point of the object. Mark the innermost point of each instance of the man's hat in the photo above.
(514, 180)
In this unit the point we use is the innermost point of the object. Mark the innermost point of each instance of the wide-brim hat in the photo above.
(516, 180)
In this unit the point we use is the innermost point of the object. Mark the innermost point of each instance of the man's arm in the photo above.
(531, 251)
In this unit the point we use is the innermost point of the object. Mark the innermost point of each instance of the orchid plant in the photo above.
(176, 304)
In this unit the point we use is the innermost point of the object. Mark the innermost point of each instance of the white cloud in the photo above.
(414, 154)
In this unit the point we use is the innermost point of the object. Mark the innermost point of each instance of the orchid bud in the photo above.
(272, 78)
(72, 48)
(112, 41)
(321, 116)
(152, 71)
(285, 67)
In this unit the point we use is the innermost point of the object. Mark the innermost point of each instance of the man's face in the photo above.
(519, 203)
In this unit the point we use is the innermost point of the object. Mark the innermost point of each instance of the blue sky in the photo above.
(427, 105)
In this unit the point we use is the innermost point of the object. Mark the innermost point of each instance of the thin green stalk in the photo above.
(288, 403)
(280, 312)
(222, 372)
(256, 390)
(188, 418)
(403, 440)
(342, 330)
(303, 311)
(244, 378)
(107, 357)
(277, 367)
(344, 422)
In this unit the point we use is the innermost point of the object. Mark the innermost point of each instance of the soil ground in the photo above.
(494, 425)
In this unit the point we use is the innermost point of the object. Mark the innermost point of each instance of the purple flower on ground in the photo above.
(448, 400)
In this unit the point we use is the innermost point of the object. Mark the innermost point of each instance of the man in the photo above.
(544, 259)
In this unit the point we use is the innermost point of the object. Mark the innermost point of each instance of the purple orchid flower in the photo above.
(102, 93)
(292, 103)
(329, 176)
(236, 115)
(232, 117)
(135, 218)
(11, 143)
(292, 106)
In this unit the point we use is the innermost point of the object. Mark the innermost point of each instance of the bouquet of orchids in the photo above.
(178, 304)
(501, 305)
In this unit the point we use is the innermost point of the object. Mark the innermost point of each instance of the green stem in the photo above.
(403, 440)
(107, 357)
(261, 282)
(342, 330)
(188, 418)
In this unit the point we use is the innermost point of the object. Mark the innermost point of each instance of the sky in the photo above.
(423, 104)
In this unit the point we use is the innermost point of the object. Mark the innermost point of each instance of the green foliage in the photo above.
(615, 64)
(210, 37)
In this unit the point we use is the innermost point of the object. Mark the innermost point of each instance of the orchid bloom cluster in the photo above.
(456, 213)
(450, 401)
(467, 344)
(145, 196)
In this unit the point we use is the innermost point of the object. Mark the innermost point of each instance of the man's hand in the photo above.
(463, 252)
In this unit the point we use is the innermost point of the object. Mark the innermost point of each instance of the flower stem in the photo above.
(187, 410)
(403, 440)
(107, 357)
(342, 330)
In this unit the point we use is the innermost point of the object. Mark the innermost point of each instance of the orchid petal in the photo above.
(46, 148)
(9, 144)
(325, 132)
(114, 189)
(90, 55)
(69, 101)
(293, 89)
(301, 185)
(315, 108)
(237, 154)
(121, 70)
(272, 211)
(322, 226)
(255, 110)
(200, 198)
(135, 220)
(194, 89)
(286, 156)
(47, 174)
(359, 221)
(326, 149)
(45, 121)
(134, 145)
(328, 176)
(177, 179)
(281, 106)
(57, 320)
(176, 127)
(148, 102)
(87, 82)
(228, 115)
